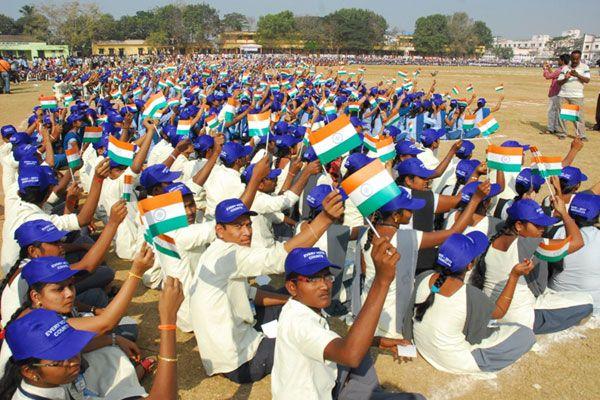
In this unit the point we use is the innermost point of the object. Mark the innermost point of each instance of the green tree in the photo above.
(234, 22)
(273, 27)
(483, 34)
(157, 38)
(8, 26)
(313, 31)
(504, 53)
(106, 28)
(33, 23)
(356, 29)
(138, 26)
(462, 38)
(431, 35)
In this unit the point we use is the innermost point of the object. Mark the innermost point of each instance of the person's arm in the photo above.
(295, 166)
(498, 105)
(86, 213)
(261, 170)
(576, 146)
(164, 386)
(571, 228)
(446, 203)
(140, 156)
(96, 253)
(333, 209)
(268, 299)
(202, 175)
(351, 350)
(179, 148)
(115, 310)
(311, 168)
(582, 78)
(503, 302)
(441, 168)
(49, 150)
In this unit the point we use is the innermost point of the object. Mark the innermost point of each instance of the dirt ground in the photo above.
(563, 365)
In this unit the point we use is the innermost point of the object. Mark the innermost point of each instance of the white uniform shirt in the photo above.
(299, 369)
(9, 165)
(222, 184)
(270, 210)
(573, 88)
(159, 152)
(447, 178)
(221, 311)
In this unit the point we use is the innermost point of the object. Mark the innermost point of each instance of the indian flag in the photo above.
(274, 86)
(416, 73)
(488, 125)
(127, 187)
(162, 84)
(92, 134)
(170, 82)
(553, 251)
(48, 102)
(163, 213)
(317, 125)
(385, 148)
(393, 119)
(137, 92)
(329, 109)
(370, 142)
(334, 139)
(228, 110)
(341, 72)
(292, 93)
(469, 122)
(371, 187)
(68, 99)
(101, 119)
(545, 166)
(408, 85)
(258, 124)
(470, 88)
(353, 107)
(212, 122)
(462, 102)
(165, 245)
(569, 112)
(361, 70)
(172, 102)
(120, 152)
(155, 103)
(402, 74)
(300, 84)
(73, 157)
(508, 159)
(499, 88)
(205, 73)
(455, 90)
(116, 94)
(184, 126)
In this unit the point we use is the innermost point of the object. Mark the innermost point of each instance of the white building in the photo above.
(590, 51)
(572, 33)
(527, 50)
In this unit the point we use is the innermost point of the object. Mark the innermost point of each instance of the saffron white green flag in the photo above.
(334, 139)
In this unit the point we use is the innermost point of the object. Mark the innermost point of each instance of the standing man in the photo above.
(553, 99)
(571, 81)
(5, 75)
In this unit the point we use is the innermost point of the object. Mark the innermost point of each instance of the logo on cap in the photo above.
(442, 259)
(56, 329)
(234, 207)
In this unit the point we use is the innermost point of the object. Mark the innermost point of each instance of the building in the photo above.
(131, 47)
(590, 50)
(239, 42)
(572, 33)
(527, 50)
(20, 45)
(400, 44)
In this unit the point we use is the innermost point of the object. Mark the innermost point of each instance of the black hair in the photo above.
(566, 189)
(565, 58)
(23, 254)
(576, 52)
(478, 274)
(421, 308)
(312, 213)
(34, 194)
(376, 218)
(12, 376)
(581, 222)
(401, 178)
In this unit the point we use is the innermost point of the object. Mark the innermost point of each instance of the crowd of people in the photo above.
(263, 198)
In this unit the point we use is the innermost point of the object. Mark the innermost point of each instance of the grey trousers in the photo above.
(579, 125)
(554, 114)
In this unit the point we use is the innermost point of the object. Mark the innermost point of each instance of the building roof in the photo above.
(19, 39)
(132, 42)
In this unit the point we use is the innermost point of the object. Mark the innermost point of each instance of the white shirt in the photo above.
(159, 152)
(573, 87)
(222, 184)
(270, 210)
(221, 312)
(13, 296)
(299, 369)
(55, 393)
(429, 159)
(448, 178)
(9, 165)
(90, 160)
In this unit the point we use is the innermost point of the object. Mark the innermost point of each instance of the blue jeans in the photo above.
(6, 78)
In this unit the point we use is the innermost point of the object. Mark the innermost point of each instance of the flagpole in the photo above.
(373, 228)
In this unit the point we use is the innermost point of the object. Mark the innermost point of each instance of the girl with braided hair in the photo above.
(451, 319)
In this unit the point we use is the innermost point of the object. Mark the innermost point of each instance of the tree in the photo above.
(202, 23)
(460, 31)
(483, 34)
(234, 22)
(312, 30)
(8, 26)
(138, 26)
(33, 23)
(504, 53)
(273, 27)
(356, 29)
(431, 35)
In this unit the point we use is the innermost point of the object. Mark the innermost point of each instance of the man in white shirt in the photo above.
(222, 301)
(312, 361)
(571, 81)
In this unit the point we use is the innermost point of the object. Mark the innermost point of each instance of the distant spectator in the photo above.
(554, 100)
(571, 81)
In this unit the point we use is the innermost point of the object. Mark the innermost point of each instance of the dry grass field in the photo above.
(564, 365)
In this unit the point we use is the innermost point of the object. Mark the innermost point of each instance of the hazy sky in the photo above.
(509, 18)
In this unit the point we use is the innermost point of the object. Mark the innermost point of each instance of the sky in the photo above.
(514, 19)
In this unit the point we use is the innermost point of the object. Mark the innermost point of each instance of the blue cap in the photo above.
(178, 186)
(530, 211)
(47, 270)
(429, 136)
(514, 143)
(32, 162)
(407, 148)
(24, 152)
(309, 154)
(8, 130)
(466, 168)
(232, 151)
(525, 180)
(572, 176)
(38, 230)
(470, 188)
(585, 205)
(404, 201)
(307, 261)
(481, 102)
(414, 166)
(203, 142)
(231, 209)
(466, 149)
(45, 335)
(356, 161)
(19, 138)
(315, 197)
(33, 177)
(286, 141)
(157, 173)
(247, 174)
(460, 250)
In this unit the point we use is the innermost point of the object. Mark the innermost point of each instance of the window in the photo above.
(111, 51)
(140, 51)
(121, 51)
(597, 46)
(101, 51)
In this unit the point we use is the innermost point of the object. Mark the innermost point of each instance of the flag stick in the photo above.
(373, 228)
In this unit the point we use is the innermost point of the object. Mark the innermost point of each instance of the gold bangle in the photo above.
(312, 231)
(131, 274)
(167, 359)
(506, 297)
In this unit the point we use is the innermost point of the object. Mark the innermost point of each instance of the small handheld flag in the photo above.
(92, 134)
(334, 139)
(552, 251)
(455, 90)
(120, 152)
(488, 125)
(73, 156)
(165, 246)
(258, 124)
(127, 187)
(545, 166)
(154, 104)
(385, 148)
(569, 112)
(470, 88)
(499, 88)
(508, 159)
(48, 102)
(163, 213)
(468, 122)
(184, 127)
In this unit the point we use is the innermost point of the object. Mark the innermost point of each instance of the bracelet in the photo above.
(131, 274)
(98, 179)
(173, 157)
(312, 231)
(167, 327)
(506, 297)
(113, 337)
(167, 359)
